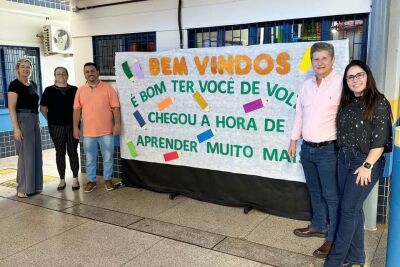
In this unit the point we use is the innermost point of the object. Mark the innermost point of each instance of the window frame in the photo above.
(7, 75)
(284, 31)
(145, 42)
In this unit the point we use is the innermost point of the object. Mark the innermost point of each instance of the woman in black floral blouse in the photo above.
(364, 133)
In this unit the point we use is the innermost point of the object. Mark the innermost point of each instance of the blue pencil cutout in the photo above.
(139, 118)
(205, 135)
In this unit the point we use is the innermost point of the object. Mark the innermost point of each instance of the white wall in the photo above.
(162, 16)
(392, 79)
(20, 23)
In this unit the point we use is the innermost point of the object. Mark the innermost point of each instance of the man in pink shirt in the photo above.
(315, 122)
(99, 106)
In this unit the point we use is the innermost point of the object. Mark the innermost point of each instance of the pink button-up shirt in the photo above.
(316, 109)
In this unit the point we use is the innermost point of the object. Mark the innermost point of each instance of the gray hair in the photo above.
(323, 46)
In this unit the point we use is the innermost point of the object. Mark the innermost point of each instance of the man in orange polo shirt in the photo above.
(99, 106)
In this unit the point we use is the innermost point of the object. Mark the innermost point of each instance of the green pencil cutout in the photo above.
(132, 149)
(127, 71)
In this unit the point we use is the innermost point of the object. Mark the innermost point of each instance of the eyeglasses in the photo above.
(359, 76)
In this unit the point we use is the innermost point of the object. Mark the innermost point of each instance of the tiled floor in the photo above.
(135, 227)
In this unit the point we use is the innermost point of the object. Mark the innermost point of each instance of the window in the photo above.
(104, 48)
(353, 27)
(56, 4)
(9, 55)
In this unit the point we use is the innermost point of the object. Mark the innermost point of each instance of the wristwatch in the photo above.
(367, 165)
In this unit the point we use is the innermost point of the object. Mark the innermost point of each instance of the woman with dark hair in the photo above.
(364, 134)
(23, 104)
(56, 106)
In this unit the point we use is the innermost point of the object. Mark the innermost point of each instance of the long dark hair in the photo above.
(370, 93)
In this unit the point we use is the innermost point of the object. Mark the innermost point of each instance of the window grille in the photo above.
(105, 46)
(353, 27)
(9, 55)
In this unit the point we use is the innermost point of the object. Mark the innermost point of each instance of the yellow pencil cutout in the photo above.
(166, 102)
(305, 63)
(201, 101)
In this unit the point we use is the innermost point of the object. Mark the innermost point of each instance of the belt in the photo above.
(27, 111)
(319, 144)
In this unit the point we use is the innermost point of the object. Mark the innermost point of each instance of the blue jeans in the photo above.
(319, 165)
(349, 241)
(106, 143)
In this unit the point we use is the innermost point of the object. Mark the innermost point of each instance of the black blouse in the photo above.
(27, 95)
(59, 102)
(354, 131)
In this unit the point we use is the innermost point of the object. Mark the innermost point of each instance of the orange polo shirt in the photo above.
(96, 105)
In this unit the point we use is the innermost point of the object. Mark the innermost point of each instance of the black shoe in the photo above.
(76, 187)
(60, 188)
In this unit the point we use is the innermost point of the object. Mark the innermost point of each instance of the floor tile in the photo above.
(371, 242)
(266, 254)
(91, 244)
(282, 237)
(6, 191)
(46, 202)
(30, 227)
(213, 218)
(73, 195)
(10, 207)
(177, 232)
(379, 259)
(135, 201)
(103, 215)
(173, 253)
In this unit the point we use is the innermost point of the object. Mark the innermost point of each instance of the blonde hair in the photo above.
(22, 60)
(19, 62)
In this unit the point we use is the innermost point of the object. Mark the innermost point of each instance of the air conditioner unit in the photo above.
(56, 40)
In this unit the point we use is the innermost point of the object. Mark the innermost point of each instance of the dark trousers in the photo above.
(349, 241)
(29, 151)
(65, 142)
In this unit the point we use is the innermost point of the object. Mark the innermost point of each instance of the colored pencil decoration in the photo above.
(166, 102)
(172, 155)
(134, 71)
(305, 63)
(132, 149)
(201, 101)
(139, 119)
(254, 105)
(205, 135)
(127, 71)
(137, 70)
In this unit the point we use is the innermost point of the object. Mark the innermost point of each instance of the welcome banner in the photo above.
(228, 109)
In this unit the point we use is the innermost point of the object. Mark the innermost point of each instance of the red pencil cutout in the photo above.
(172, 155)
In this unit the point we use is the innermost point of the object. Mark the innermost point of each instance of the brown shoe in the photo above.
(108, 185)
(323, 250)
(89, 187)
(308, 232)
